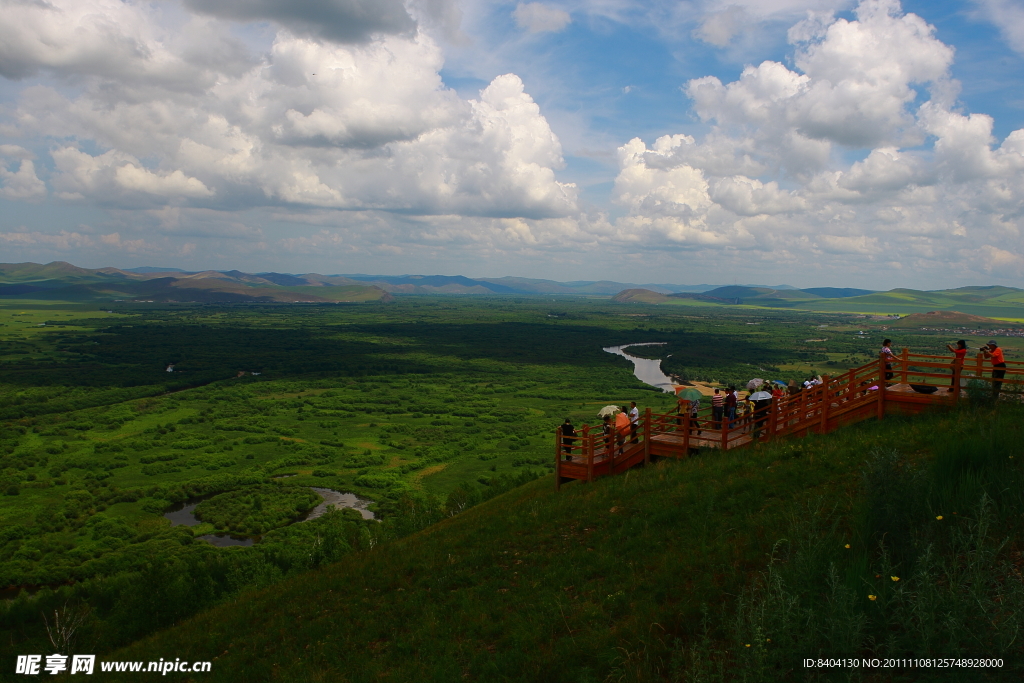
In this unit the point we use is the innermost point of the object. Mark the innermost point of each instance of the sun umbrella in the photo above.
(607, 410)
(754, 383)
(760, 396)
(781, 383)
(690, 394)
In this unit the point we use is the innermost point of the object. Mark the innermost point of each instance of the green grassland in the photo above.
(1006, 303)
(427, 406)
(897, 539)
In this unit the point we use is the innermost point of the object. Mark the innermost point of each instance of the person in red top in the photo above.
(959, 354)
(730, 406)
(995, 354)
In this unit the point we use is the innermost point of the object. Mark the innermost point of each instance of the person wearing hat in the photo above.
(995, 354)
(959, 354)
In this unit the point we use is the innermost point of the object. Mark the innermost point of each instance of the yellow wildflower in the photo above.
(895, 578)
(872, 598)
(938, 517)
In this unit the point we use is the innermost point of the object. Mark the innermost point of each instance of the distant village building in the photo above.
(170, 368)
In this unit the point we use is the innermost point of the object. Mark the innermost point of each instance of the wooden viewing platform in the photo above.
(859, 394)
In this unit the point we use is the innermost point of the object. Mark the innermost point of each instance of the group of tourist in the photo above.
(990, 351)
(752, 412)
(615, 429)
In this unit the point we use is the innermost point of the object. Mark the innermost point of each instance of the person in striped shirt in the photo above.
(717, 409)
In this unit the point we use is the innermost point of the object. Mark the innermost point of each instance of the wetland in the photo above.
(397, 415)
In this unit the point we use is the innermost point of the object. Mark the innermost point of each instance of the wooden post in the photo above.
(647, 436)
(590, 457)
(686, 432)
(881, 386)
(826, 403)
(905, 362)
(725, 427)
(803, 405)
(981, 358)
(558, 460)
(957, 371)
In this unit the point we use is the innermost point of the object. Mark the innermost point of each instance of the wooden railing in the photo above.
(858, 394)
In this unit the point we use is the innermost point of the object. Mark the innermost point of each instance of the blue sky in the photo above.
(872, 144)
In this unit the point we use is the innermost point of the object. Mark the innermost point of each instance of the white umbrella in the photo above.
(760, 396)
(754, 383)
(608, 410)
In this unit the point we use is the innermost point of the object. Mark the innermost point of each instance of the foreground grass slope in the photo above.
(722, 567)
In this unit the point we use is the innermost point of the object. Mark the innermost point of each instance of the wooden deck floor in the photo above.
(705, 440)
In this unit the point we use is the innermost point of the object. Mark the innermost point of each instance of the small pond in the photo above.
(183, 514)
(646, 370)
(340, 500)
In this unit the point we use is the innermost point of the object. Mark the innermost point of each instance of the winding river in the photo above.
(183, 514)
(646, 370)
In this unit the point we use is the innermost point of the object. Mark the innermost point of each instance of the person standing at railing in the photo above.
(730, 406)
(608, 433)
(622, 426)
(759, 412)
(717, 409)
(888, 356)
(568, 437)
(959, 355)
(634, 422)
(993, 353)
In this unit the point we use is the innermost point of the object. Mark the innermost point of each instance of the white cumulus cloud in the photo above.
(360, 121)
(774, 174)
(22, 183)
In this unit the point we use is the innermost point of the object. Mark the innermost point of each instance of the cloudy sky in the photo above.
(808, 142)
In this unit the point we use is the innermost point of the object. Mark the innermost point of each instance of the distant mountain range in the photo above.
(61, 280)
(458, 284)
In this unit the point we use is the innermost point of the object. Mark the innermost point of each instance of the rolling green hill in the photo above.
(60, 281)
(760, 293)
(723, 567)
(990, 302)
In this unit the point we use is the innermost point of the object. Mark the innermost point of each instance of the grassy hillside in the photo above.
(60, 281)
(991, 302)
(891, 539)
(948, 320)
(642, 296)
(759, 293)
